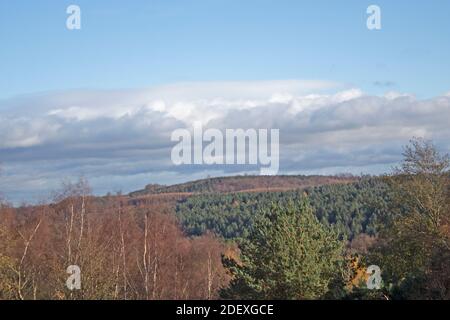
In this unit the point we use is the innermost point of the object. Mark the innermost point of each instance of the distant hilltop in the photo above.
(246, 183)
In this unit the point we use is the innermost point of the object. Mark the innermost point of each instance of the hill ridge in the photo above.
(246, 183)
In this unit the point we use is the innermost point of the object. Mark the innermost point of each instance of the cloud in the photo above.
(120, 139)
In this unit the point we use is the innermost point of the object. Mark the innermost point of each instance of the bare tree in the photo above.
(21, 275)
(140, 252)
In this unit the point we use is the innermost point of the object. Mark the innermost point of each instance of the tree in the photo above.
(422, 183)
(7, 263)
(412, 251)
(289, 255)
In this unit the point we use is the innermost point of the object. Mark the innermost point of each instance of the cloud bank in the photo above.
(120, 139)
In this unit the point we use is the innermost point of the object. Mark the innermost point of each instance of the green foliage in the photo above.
(362, 293)
(288, 255)
(353, 208)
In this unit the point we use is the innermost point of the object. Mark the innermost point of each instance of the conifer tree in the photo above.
(289, 255)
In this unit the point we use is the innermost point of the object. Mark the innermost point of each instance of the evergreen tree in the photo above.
(288, 255)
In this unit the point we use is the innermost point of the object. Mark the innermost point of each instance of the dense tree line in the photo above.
(354, 208)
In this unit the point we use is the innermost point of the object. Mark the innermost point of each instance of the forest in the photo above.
(283, 237)
(353, 208)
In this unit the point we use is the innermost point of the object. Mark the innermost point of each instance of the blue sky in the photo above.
(129, 44)
(103, 101)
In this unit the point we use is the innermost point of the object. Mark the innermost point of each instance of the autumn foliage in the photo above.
(124, 251)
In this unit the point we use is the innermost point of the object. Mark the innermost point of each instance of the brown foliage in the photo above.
(125, 250)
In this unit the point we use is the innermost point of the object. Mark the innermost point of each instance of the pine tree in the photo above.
(288, 255)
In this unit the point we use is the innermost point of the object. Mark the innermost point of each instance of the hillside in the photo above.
(353, 208)
(245, 183)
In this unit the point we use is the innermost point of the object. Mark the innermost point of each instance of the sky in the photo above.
(102, 101)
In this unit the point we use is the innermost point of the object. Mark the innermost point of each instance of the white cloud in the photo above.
(391, 95)
(124, 135)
